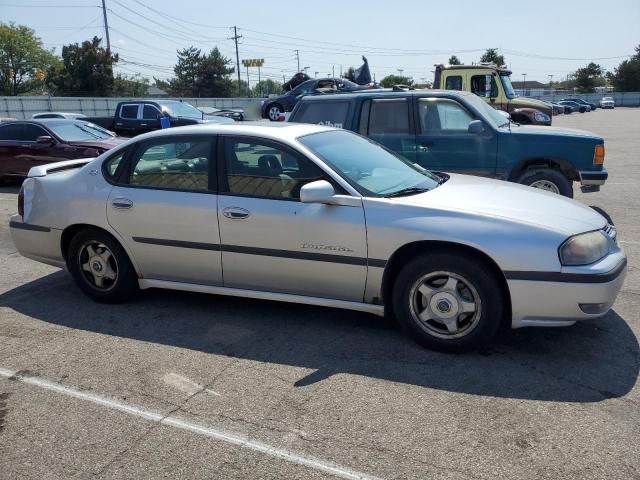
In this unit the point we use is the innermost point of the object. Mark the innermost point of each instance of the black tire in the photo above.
(563, 185)
(115, 290)
(475, 329)
(270, 111)
(603, 213)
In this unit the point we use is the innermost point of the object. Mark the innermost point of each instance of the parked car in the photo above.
(7, 119)
(236, 114)
(458, 132)
(555, 108)
(135, 117)
(592, 106)
(493, 85)
(273, 107)
(450, 256)
(574, 106)
(607, 102)
(25, 144)
(72, 116)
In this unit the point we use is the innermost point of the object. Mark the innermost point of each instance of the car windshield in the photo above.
(487, 111)
(508, 88)
(79, 131)
(369, 167)
(181, 109)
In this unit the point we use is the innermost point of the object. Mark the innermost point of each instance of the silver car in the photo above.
(315, 215)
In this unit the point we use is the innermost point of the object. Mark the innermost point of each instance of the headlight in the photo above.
(542, 117)
(585, 248)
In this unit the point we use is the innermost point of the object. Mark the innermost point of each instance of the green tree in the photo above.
(626, 78)
(130, 85)
(243, 87)
(266, 87)
(453, 60)
(588, 77)
(350, 74)
(202, 75)
(492, 56)
(391, 80)
(86, 70)
(24, 62)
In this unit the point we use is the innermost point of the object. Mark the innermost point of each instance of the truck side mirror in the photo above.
(475, 127)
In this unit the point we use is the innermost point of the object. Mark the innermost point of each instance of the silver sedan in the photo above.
(315, 215)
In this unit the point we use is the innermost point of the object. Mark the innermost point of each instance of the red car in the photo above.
(25, 144)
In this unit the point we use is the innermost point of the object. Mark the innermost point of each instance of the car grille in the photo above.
(611, 232)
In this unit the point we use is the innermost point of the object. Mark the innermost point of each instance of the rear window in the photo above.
(453, 83)
(330, 114)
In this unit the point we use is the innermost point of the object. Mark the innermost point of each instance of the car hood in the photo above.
(554, 131)
(522, 102)
(106, 143)
(511, 201)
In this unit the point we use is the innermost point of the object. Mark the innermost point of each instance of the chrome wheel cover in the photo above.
(546, 185)
(274, 113)
(98, 265)
(445, 305)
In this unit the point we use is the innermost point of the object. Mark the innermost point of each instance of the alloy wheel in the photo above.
(546, 185)
(98, 264)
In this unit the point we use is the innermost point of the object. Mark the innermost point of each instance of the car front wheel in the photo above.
(448, 302)
(100, 267)
(274, 111)
(548, 179)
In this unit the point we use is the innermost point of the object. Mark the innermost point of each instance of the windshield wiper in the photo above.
(406, 191)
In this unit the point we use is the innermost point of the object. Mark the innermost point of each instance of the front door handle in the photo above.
(121, 203)
(235, 213)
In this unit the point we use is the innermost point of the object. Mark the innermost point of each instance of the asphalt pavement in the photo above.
(176, 385)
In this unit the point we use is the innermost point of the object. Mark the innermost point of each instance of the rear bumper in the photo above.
(559, 303)
(590, 178)
(37, 242)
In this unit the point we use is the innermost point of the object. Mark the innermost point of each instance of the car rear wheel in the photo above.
(274, 111)
(100, 267)
(549, 180)
(448, 302)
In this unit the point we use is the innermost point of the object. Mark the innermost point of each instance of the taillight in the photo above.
(21, 202)
(598, 155)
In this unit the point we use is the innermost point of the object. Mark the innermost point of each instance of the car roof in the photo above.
(386, 93)
(267, 130)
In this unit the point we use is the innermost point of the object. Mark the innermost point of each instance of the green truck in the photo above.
(493, 84)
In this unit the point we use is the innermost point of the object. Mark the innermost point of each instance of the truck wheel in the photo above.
(448, 301)
(274, 111)
(549, 180)
(100, 267)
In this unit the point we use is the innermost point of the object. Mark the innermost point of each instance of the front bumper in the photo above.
(592, 180)
(39, 243)
(563, 299)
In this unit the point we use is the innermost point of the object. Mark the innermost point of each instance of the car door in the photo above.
(150, 118)
(35, 153)
(443, 142)
(10, 149)
(127, 117)
(164, 207)
(389, 122)
(273, 242)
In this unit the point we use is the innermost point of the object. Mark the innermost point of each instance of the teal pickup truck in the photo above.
(452, 131)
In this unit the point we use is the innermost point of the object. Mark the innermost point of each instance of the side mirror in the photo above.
(322, 191)
(45, 139)
(475, 127)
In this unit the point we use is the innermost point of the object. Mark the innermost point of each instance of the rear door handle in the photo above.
(235, 213)
(121, 203)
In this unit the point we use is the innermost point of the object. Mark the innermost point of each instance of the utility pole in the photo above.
(298, 57)
(235, 38)
(333, 71)
(106, 24)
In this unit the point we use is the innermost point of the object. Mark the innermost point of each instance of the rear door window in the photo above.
(10, 132)
(388, 116)
(453, 82)
(129, 111)
(331, 114)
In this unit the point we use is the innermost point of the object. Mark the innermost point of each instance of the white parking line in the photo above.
(231, 438)
(628, 242)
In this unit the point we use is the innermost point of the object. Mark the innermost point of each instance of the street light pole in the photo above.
(524, 83)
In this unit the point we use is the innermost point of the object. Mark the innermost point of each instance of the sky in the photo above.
(538, 38)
